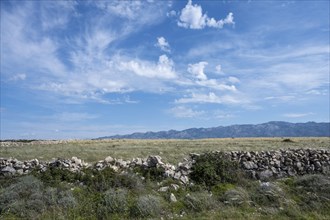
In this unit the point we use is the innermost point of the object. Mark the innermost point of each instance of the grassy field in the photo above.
(135, 194)
(170, 150)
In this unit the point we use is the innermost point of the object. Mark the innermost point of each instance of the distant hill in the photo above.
(269, 129)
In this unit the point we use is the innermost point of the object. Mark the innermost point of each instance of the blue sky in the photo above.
(84, 69)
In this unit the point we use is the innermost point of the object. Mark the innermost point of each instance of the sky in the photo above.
(85, 69)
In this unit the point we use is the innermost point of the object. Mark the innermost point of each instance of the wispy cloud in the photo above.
(210, 98)
(73, 116)
(19, 76)
(191, 16)
(185, 112)
(297, 115)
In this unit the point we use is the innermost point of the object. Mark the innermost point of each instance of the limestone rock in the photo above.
(173, 198)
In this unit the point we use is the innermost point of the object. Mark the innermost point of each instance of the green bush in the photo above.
(151, 173)
(66, 199)
(221, 188)
(54, 176)
(236, 197)
(269, 194)
(23, 198)
(311, 192)
(213, 168)
(116, 201)
(146, 206)
(199, 201)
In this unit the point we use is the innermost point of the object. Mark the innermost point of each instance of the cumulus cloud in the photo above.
(197, 70)
(163, 69)
(192, 17)
(163, 44)
(185, 112)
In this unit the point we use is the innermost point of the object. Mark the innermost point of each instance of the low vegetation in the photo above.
(218, 190)
(171, 151)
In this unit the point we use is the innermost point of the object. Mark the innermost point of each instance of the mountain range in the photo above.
(269, 129)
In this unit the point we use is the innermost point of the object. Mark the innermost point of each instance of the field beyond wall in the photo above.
(170, 150)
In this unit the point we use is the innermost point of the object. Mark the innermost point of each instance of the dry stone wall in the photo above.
(259, 165)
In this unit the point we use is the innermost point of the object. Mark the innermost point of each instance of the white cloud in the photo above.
(20, 76)
(197, 70)
(200, 98)
(297, 115)
(185, 112)
(218, 69)
(163, 44)
(172, 13)
(164, 69)
(219, 114)
(135, 12)
(56, 14)
(124, 9)
(214, 84)
(209, 98)
(233, 79)
(317, 92)
(73, 116)
(284, 98)
(192, 17)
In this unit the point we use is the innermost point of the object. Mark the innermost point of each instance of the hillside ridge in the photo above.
(269, 129)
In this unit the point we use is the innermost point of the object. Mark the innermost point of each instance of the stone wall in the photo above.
(259, 165)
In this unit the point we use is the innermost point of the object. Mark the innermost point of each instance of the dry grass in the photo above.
(170, 150)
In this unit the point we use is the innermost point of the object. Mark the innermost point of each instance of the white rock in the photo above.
(173, 198)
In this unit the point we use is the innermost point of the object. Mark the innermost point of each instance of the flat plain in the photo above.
(171, 150)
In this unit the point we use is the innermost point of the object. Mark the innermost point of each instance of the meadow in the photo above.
(136, 194)
(171, 151)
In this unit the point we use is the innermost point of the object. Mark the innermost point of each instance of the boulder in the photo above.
(173, 198)
(8, 170)
(265, 175)
(249, 165)
(108, 159)
(163, 189)
(154, 161)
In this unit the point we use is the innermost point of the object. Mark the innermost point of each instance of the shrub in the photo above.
(269, 194)
(23, 198)
(151, 173)
(235, 197)
(66, 199)
(54, 176)
(115, 201)
(311, 192)
(220, 189)
(128, 180)
(99, 180)
(212, 168)
(146, 206)
(199, 201)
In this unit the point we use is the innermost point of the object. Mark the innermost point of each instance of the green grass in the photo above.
(171, 151)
